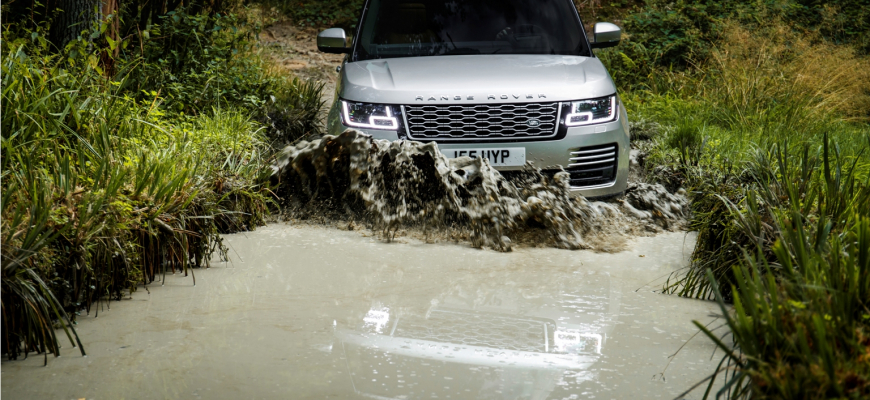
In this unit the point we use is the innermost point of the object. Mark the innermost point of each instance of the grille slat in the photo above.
(609, 160)
(593, 165)
(595, 151)
(485, 121)
(593, 157)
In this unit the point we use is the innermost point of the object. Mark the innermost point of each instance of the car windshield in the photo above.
(408, 28)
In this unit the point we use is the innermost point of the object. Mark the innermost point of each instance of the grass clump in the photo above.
(199, 61)
(108, 184)
(725, 119)
(770, 133)
(800, 321)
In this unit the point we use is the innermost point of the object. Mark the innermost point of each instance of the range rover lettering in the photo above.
(513, 81)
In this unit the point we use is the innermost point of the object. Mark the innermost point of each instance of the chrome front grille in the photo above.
(593, 165)
(482, 121)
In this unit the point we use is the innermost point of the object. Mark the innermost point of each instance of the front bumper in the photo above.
(545, 154)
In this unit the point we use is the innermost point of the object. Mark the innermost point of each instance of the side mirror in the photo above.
(333, 40)
(606, 35)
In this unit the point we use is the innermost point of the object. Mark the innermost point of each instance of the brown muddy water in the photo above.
(304, 311)
(391, 185)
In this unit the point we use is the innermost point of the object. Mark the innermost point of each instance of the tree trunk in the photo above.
(77, 16)
(85, 15)
(110, 14)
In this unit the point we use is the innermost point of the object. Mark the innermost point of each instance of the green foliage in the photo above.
(687, 138)
(675, 35)
(295, 114)
(124, 161)
(840, 22)
(756, 91)
(801, 315)
(102, 191)
(319, 13)
(26, 233)
(198, 62)
(193, 61)
(767, 129)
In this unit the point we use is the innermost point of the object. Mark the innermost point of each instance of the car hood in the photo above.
(474, 79)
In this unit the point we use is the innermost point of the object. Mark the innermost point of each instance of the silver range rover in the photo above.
(513, 81)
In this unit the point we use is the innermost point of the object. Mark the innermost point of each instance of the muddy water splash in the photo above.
(411, 184)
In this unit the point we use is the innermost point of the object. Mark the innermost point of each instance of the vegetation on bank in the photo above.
(764, 117)
(118, 166)
(760, 109)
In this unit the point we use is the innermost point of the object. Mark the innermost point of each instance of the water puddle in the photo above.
(305, 311)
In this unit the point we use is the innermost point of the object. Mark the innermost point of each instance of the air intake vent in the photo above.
(593, 165)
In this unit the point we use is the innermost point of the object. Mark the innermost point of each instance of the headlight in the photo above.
(594, 111)
(369, 116)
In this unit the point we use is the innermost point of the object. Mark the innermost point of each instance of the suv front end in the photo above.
(554, 106)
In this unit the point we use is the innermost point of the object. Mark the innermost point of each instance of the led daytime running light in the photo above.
(581, 118)
(388, 122)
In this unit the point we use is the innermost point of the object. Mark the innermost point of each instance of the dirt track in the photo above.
(295, 50)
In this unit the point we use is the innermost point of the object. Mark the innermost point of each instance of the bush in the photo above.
(340, 13)
(679, 35)
(199, 62)
(102, 191)
(194, 61)
(801, 290)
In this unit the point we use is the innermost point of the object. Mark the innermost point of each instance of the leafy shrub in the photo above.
(102, 191)
(666, 36)
(675, 33)
(194, 61)
(320, 13)
(199, 62)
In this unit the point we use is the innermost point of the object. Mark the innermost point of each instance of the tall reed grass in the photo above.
(757, 92)
(102, 192)
(800, 323)
(771, 136)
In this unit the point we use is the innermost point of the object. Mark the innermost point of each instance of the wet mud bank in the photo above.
(410, 186)
(306, 311)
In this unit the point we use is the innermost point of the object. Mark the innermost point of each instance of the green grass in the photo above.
(103, 192)
(776, 158)
(800, 321)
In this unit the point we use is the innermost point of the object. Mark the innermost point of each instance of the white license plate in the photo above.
(504, 157)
